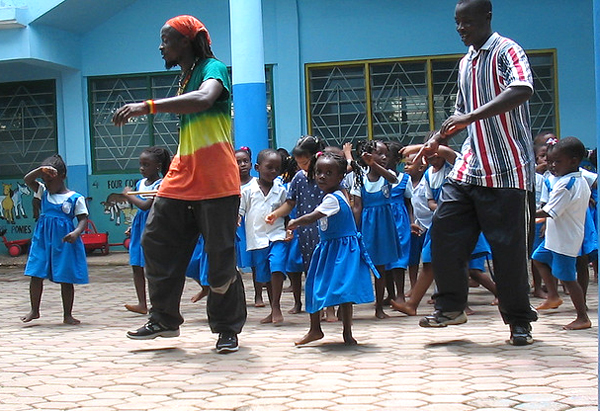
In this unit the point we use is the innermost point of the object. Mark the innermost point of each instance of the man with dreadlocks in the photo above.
(199, 194)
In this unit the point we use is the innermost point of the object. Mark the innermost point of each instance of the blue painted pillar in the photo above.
(73, 129)
(248, 74)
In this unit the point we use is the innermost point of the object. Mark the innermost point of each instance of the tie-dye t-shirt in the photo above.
(204, 166)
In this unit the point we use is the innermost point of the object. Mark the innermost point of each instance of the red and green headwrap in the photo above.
(189, 26)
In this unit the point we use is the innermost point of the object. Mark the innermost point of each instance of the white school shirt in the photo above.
(80, 206)
(422, 212)
(539, 187)
(436, 178)
(567, 207)
(255, 206)
(589, 177)
(371, 186)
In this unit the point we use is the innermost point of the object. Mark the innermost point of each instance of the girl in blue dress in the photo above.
(373, 213)
(400, 199)
(153, 162)
(303, 195)
(57, 252)
(339, 271)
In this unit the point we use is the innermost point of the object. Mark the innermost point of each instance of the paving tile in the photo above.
(397, 365)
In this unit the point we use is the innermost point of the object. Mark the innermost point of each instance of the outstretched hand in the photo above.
(123, 114)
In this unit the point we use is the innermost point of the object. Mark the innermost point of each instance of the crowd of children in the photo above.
(352, 222)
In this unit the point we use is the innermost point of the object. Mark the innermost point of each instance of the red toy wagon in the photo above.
(15, 247)
(93, 240)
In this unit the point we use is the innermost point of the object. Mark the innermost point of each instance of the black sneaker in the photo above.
(443, 319)
(520, 334)
(151, 330)
(227, 342)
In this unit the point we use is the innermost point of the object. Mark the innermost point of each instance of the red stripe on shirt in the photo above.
(517, 63)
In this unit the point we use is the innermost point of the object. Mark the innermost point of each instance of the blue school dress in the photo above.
(294, 263)
(402, 221)
(197, 268)
(244, 257)
(136, 252)
(307, 195)
(340, 267)
(378, 226)
(50, 257)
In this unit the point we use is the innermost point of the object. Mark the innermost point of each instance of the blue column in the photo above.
(248, 74)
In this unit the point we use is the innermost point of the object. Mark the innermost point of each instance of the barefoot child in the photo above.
(339, 268)
(373, 213)
(57, 252)
(243, 157)
(266, 241)
(153, 162)
(304, 195)
(565, 219)
(400, 199)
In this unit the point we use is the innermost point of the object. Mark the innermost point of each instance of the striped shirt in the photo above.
(498, 152)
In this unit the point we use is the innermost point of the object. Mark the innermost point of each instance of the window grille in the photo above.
(27, 126)
(116, 149)
(404, 99)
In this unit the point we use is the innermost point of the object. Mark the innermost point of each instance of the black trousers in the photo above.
(505, 216)
(171, 233)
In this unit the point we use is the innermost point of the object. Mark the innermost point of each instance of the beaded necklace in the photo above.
(183, 82)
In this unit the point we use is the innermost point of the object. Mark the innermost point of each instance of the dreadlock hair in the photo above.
(289, 167)
(201, 47)
(162, 157)
(332, 154)
(57, 162)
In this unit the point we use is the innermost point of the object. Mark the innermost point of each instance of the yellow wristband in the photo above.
(151, 106)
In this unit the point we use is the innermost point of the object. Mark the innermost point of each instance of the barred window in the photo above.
(404, 99)
(27, 126)
(117, 149)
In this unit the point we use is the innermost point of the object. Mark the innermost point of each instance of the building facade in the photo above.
(345, 70)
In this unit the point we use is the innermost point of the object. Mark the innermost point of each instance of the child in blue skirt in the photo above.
(57, 252)
(373, 213)
(339, 272)
(153, 162)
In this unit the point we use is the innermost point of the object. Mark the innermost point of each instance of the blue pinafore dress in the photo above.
(378, 227)
(136, 252)
(402, 221)
(339, 270)
(49, 256)
(197, 268)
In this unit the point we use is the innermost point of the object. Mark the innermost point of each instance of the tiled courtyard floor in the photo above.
(396, 366)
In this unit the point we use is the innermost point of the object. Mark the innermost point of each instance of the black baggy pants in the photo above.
(171, 233)
(505, 216)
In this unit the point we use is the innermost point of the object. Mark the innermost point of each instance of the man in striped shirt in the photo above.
(490, 188)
